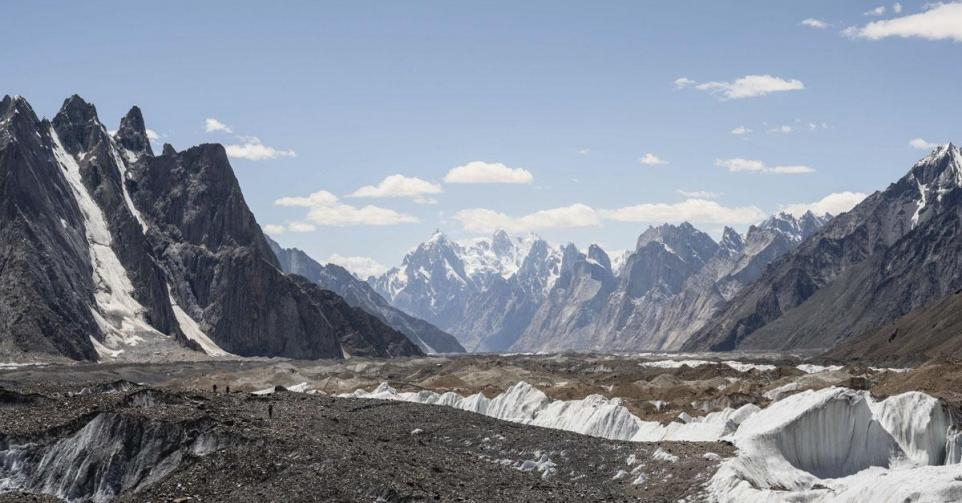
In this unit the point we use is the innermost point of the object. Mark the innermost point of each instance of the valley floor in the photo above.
(158, 431)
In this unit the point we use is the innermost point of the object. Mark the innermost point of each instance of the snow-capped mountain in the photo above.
(109, 251)
(483, 291)
(507, 293)
(894, 252)
(360, 294)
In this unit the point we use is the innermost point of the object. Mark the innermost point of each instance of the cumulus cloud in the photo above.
(488, 172)
(650, 159)
(252, 149)
(301, 227)
(738, 165)
(878, 11)
(362, 267)
(835, 203)
(921, 144)
(325, 209)
(484, 221)
(699, 194)
(215, 126)
(274, 229)
(400, 186)
(740, 131)
(814, 23)
(153, 136)
(748, 86)
(941, 22)
(897, 8)
(690, 210)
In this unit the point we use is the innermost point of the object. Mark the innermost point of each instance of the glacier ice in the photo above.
(838, 444)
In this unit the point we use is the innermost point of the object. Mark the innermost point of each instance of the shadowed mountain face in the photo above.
(111, 252)
(895, 252)
(359, 294)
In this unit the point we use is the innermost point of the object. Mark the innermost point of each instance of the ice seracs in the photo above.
(838, 444)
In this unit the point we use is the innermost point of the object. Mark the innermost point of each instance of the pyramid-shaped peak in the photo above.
(132, 134)
(78, 110)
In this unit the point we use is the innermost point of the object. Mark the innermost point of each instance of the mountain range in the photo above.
(108, 251)
(895, 252)
(523, 294)
(359, 294)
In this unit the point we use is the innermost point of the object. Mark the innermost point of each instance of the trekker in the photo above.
(270, 411)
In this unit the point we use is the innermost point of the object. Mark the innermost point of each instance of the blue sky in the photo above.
(564, 97)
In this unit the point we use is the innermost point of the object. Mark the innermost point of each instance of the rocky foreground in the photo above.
(97, 439)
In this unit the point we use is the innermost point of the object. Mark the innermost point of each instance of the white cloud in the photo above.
(690, 210)
(741, 130)
(584, 151)
(324, 209)
(485, 221)
(274, 229)
(790, 170)
(738, 164)
(301, 227)
(897, 8)
(921, 144)
(216, 126)
(815, 23)
(650, 159)
(252, 149)
(362, 267)
(941, 22)
(878, 11)
(488, 172)
(783, 129)
(153, 136)
(748, 86)
(400, 186)
(835, 203)
(699, 194)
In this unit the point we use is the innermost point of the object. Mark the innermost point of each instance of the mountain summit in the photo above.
(110, 252)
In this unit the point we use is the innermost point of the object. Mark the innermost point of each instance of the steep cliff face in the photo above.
(669, 287)
(894, 252)
(359, 294)
(111, 252)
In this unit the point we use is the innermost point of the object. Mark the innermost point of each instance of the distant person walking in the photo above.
(215, 389)
(270, 411)
(227, 390)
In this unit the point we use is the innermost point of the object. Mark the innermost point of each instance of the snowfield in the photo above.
(834, 444)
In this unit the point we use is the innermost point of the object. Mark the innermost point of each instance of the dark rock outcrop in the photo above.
(110, 251)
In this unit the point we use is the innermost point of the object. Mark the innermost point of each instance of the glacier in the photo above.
(832, 444)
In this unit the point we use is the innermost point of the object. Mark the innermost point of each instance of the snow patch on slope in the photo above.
(119, 315)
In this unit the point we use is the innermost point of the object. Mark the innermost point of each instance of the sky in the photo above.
(356, 129)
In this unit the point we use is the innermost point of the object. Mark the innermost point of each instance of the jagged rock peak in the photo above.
(732, 241)
(132, 134)
(597, 254)
(168, 150)
(77, 111)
